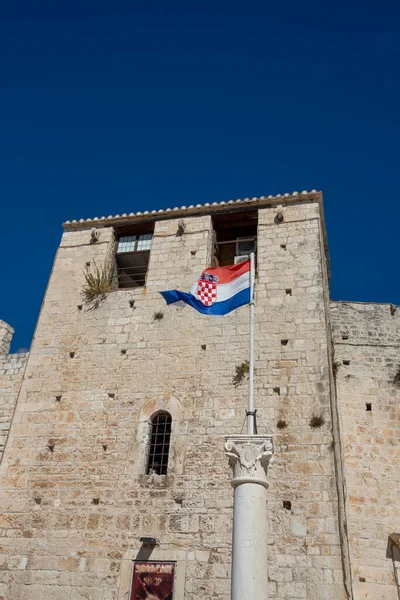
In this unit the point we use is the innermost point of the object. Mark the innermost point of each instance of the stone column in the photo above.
(249, 457)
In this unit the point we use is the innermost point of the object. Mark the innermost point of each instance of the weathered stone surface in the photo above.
(95, 377)
(11, 371)
(367, 355)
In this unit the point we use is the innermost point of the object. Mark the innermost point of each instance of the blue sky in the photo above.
(112, 107)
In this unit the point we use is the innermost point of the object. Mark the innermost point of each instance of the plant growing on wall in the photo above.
(241, 371)
(317, 421)
(97, 283)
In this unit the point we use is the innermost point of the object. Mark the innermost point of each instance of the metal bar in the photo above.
(250, 412)
(237, 241)
(143, 267)
(160, 444)
(133, 252)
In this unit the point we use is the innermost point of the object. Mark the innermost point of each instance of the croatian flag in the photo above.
(218, 291)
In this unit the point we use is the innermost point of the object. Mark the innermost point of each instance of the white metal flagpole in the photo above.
(249, 456)
(250, 410)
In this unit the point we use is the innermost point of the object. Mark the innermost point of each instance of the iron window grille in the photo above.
(159, 444)
(132, 256)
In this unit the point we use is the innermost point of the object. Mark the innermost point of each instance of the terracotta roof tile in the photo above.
(191, 209)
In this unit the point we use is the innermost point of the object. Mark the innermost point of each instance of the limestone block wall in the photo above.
(6, 335)
(74, 496)
(293, 374)
(11, 371)
(367, 358)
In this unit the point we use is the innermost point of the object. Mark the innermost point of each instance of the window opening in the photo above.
(132, 254)
(235, 237)
(159, 444)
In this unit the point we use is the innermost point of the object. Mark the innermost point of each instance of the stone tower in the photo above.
(114, 484)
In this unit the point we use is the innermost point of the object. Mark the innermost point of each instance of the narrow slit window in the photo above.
(160, 437)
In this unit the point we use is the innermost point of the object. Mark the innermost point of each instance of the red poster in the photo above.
(153, 581)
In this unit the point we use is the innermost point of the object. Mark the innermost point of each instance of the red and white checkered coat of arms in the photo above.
(207, 289)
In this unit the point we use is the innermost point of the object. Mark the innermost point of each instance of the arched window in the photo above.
(159, 443)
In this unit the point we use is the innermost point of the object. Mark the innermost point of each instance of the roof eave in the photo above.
(204, 209)
(199, 209)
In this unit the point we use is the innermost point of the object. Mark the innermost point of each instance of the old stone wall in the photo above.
(11, 371)
(74, 496)
(6, 335)
(367, 358)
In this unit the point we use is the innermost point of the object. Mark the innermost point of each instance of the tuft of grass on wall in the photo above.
(241, 372)
(98, 282)
(317, 421)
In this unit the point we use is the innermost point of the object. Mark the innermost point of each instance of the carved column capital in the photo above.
(249, 457)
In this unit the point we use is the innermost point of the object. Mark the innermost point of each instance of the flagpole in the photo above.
(250, 410)
(249, 456)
